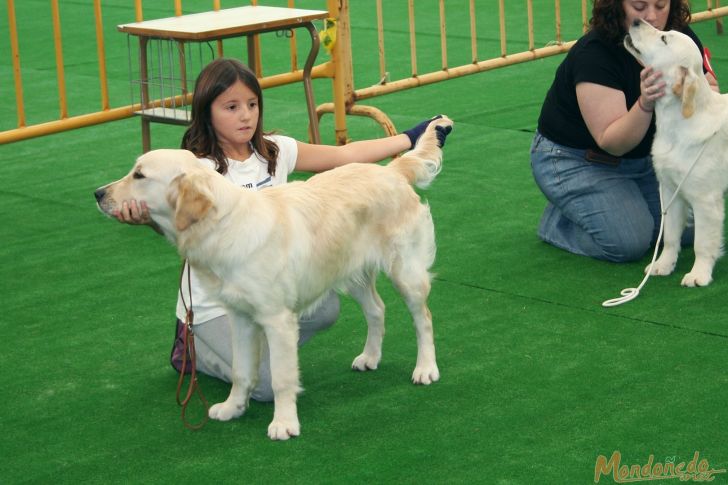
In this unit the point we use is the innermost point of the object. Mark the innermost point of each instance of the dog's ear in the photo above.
(190, 198)
(685, 88)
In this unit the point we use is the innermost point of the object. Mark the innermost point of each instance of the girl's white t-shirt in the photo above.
(250, 174)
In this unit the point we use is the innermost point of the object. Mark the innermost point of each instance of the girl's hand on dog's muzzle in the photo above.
(132, 212)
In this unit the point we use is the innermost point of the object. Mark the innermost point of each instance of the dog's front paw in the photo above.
(365, 362)
(426, 375)
(281, 429)
(226, 411)
(696, 278)
(661, 267)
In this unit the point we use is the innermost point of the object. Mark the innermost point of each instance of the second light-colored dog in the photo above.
(691, 144)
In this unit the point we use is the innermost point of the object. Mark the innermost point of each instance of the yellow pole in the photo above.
(58, 42)
(502, 17)
(66, 124)
(15, 54)
(101, 55)
(413, 44)
(459, 71)
(718, 21)
(716, 14)
(443, 35)
(473, 32)
(557, 8)
(529, 10)
(380, 43)
(343, 82)
(380, 37)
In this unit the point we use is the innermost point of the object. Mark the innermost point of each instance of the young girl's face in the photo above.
(234, 115)
(654, 12)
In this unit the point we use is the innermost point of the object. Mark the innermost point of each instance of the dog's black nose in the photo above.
(636, 23)
(99, 194)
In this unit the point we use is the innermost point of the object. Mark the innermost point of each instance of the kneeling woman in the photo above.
(591, 153)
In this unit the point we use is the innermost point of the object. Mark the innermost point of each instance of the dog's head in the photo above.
(174, 185)
(674, 54)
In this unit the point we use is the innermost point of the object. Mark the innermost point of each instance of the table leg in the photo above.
(307, 87)
(144, 80)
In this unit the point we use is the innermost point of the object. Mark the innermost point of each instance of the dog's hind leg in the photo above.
(246, 341)
(281, 331)
(365, 293)
(412, 280)
(708, 245)
(415, 289)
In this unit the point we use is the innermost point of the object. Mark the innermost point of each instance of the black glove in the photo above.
(440, 131)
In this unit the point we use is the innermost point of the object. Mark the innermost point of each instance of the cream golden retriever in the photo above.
(691, 144)
(272, 254)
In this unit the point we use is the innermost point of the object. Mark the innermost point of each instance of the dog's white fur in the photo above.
(692, 126)
(272, 254)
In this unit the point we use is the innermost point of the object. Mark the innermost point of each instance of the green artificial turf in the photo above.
(537, 378)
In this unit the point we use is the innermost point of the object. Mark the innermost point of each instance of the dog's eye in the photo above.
(664, 39)
(138, 175)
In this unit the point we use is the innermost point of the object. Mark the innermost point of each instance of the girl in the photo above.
(226, 133)
(590, 155)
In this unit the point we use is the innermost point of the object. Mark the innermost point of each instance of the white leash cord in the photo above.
(629, 294)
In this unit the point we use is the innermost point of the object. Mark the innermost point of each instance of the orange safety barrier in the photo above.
(338, 68)
(349, 95)
(108, 112)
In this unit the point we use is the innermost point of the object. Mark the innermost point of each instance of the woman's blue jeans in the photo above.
(602, 211)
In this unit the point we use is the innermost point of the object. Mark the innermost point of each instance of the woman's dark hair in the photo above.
(200, 137)
(608, 18)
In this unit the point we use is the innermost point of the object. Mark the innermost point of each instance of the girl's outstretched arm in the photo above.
(319, 158)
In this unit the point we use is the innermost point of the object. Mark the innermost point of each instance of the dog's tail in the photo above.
(421, 165)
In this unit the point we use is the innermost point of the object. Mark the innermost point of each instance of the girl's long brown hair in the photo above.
(608, 18)
(200, 137)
